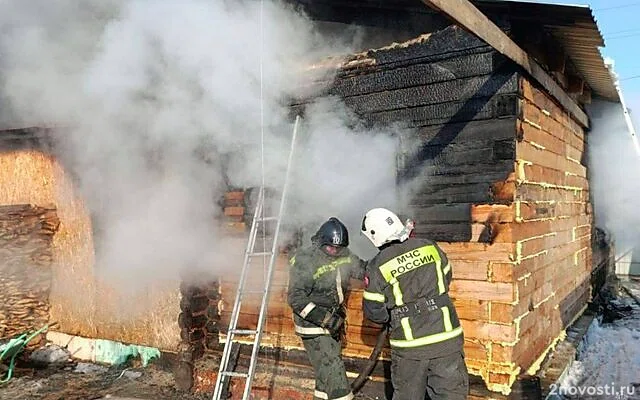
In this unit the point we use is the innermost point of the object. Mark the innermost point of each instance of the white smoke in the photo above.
(614, 167)
(161, 107)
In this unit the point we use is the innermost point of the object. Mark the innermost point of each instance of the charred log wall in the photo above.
(26, 254)
(456, 101)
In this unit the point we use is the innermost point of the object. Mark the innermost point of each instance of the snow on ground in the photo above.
(608, 365)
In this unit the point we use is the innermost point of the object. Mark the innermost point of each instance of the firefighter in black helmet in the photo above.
(318, 279)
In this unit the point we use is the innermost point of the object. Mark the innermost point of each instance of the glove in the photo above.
(333, 321)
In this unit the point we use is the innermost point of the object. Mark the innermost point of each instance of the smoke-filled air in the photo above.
(614, 165)
(161, 106)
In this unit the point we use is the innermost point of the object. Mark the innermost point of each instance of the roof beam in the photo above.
(469, 17)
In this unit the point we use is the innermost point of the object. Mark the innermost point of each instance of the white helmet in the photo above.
(381, 226)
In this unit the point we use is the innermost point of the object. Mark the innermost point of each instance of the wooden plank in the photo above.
(493, 213)
(445, 43)
(234, 211)
(551, 240)
(539, 174)
(501, 353)
(455, 194)
(468, 152)
(555, 255)
(501, 272)
(528, 152)
(475, 351)
(491, 291)
(453, 232)
(513, 232)
(478, 251)
(470, 270)
(474, 109)
(553, 124)
(391, 77)
(533, 134)
(501, 313)
(496, 129)
(436, 93)
(437, 213)
(532, 192)
(544, 103)
(489, 332)
(234, 198)
(439, 170)
(468, 16)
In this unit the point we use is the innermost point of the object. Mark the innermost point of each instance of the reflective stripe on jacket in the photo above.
(318, 283)
(403, 274)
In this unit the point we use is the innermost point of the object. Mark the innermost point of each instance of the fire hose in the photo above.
(360, 380)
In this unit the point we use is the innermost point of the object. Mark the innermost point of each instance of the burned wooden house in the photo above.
(498, 171)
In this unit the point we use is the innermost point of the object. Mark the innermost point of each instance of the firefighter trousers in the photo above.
(324, 353)
(441, 378)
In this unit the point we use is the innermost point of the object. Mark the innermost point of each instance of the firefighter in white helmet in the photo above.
(406, 287)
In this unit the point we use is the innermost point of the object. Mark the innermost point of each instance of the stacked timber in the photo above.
(548, 223)
(80, 302)
(553, 234)
(199, 326)
(26, 234)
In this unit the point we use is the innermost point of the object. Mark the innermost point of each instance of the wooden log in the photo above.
(574, 245)
(456, 232)
(478, 251)
(26, 255)
(419, 72)
(446, 43)
(497, 129)
(234, 198)
(502, 272)
(234, 211)
(474, 109)
(532, 192)
(528, 152)
(440, 171)
(535, 135)
(455, 194)
(193, 305)
(489, 332)
(555, 122)
(502, 313)
(476, 290)
(536, 174)
(535, 245)
(436, 93)
(472, 309)
(468, 16)
(190, 321)
(470, 270)
(417, 157)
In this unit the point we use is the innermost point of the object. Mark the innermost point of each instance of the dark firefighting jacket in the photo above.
(406, 286)
(317, 286)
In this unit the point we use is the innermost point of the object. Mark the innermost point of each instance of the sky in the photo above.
(618, 23)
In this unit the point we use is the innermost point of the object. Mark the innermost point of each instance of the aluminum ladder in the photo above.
(224, 372)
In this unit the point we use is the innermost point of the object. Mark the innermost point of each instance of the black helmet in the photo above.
(333, 232)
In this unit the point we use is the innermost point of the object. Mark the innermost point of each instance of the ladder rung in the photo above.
(262, 253)
(253, 291)
(235, 374)
(243, 331)
(268, 219)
